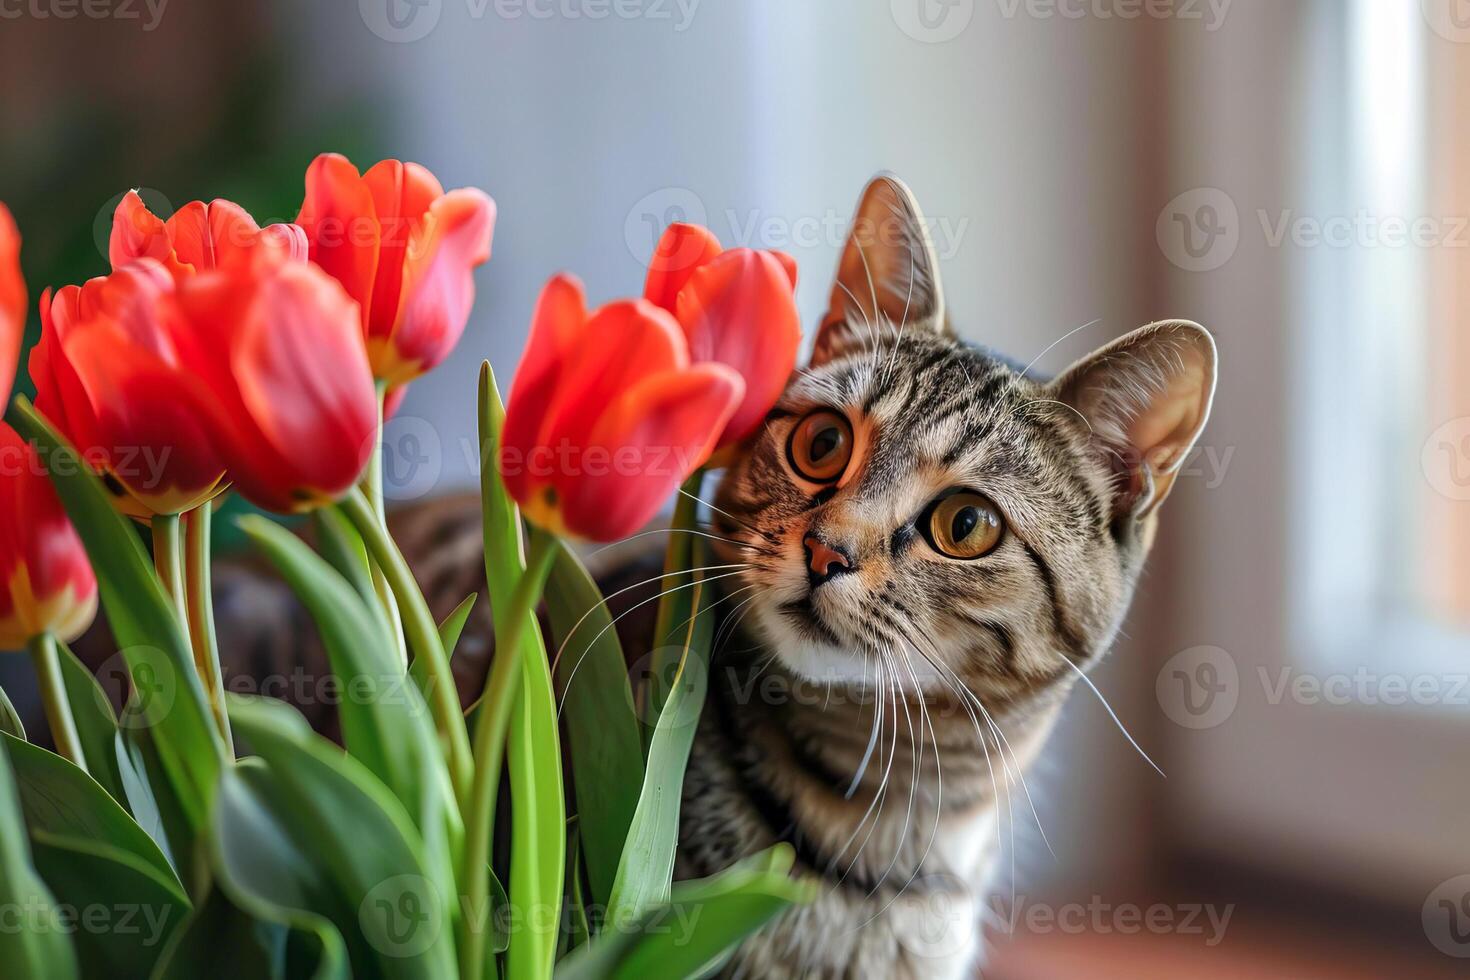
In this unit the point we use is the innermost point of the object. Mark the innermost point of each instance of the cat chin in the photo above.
(817, 662)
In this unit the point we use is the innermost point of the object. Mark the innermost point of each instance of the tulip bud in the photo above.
(404, 249)
(109, 376)
(291, 403)
(736, 308)
(607, 415)
(46, 582)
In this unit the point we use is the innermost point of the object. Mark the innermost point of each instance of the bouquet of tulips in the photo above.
(197, 830)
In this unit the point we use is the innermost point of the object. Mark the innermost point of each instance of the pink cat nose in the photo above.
(824, 560)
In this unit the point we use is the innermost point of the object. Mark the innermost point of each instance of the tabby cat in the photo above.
(926, 548)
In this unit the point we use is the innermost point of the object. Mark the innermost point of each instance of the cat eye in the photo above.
(821, 446)
(963, 524)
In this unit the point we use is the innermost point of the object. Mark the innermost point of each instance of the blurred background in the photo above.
(1288, 172)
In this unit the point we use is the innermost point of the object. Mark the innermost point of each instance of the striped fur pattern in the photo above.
(881, 721)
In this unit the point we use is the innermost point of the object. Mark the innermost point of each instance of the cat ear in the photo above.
(1146, 396)
(887, 278)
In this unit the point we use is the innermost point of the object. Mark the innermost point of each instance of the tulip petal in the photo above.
(146, 420)
(739, 310)
(340, 221)
(59, 392)
(681, 249)
(139, 233)
(438, 285)
(556, 324)
(402, 195)
(12, 303)
(644, 446)
(622, 343)
(304, 378)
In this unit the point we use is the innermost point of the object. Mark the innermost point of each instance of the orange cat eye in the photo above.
(821, 446)
(964, 525)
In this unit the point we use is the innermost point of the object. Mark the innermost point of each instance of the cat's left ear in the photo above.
(1147, 397)
(888, 277)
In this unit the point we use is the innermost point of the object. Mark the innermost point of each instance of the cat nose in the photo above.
(823, 560)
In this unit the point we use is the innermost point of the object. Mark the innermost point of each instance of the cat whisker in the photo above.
(1060, 340)
(886, 693)
(748, 526)
(577, 666)
(671, 530)
(1113, 714)
(555, 660)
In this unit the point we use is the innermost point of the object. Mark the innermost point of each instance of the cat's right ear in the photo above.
(887, 278)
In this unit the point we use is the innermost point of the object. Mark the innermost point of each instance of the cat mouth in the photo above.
(803, 614)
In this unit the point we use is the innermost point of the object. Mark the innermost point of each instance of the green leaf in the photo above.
(597, 709)
(385, 721)
(60, 799)
(159, 658)
(154, 801)
(453, 624)
(533, 744)
(221, 939)
(676, 608)
(646, 870)
(268, 870)
(10, 722)
(701, 924)
(96, 722)
(126, 909)
(342, 547)
(449, 632)
(357, 836)
(39, 949)
(575, 930)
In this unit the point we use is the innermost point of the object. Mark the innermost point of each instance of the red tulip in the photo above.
(12, 303)
(404, 249)
(607, 415)
(291, 403)
(196, 238)
(46, 583)
(736, 308)
(109, 376)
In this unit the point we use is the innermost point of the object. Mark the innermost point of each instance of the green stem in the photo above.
(423, 638)
(200, 602)
(53, 696)
(168, 561)
(372, 488)
(678, 559)
(490, 736)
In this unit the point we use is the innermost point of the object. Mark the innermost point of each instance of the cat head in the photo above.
(919, 502)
